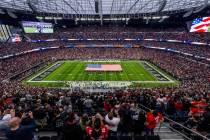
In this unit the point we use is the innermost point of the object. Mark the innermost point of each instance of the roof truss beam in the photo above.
(70, 6)
(132, 6)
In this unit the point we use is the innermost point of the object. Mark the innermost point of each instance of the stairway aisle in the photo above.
(167, 134)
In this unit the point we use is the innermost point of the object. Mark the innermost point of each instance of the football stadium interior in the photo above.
(104, 69)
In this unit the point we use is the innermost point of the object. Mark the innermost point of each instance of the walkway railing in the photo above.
(188, 133)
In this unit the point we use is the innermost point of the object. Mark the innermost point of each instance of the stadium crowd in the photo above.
(108, 33)
(202, 51)
(196, 50)
(17, 64)
(14, 48)
(82, 115)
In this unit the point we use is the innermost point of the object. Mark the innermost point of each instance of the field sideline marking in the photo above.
(117, 61)
(102, 81)
(170, 80)
(44, 81)
(31, 80)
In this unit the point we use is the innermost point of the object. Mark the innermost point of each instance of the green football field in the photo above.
(134, 73)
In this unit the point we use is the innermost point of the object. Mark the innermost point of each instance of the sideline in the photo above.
(31, 80)
(169, 79)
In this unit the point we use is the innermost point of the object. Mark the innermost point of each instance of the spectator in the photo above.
(84, 122)
(204, 125)
(16, 131)
(98, 131)
(151, 123)
(72, 129)
(139, 124)
(88, 104)
(112, 120)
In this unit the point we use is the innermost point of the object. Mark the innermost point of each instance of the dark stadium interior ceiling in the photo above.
(104, 7)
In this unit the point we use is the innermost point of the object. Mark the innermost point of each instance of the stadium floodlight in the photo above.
(163, 18)
(147, 17)
(49, 18)
(105, 19)
(116, 19)
(156, 17)
(38, 17)
(57, 18)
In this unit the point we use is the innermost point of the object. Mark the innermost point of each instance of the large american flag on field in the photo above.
(200, 24)
(103, 67)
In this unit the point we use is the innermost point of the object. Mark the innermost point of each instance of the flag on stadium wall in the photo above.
(103, 67)
(200, 25)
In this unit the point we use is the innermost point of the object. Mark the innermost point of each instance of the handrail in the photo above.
(170, 127)
(166, 118)
(186, 137)
(195, 132)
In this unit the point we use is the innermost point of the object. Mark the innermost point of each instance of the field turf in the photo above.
(133, 71)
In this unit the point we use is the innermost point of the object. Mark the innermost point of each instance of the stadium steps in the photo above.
(166, 133)
(46, 135)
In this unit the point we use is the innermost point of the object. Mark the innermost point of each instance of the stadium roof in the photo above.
(105, 7)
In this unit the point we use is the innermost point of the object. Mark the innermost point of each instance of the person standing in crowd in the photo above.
(139, 124)
(88, 104)
(17, 131)
(84, 122)
(112, 120)
(126, 123)
(204, 124)
(6, 116)
(98, 131)
(153, 119)
(150, 123)
(72, 129)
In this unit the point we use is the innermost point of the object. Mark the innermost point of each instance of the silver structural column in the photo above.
(100, 11)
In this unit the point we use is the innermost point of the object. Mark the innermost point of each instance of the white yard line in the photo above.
(102, 61)
(102, 81)
(42, 72)
(170, 80)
